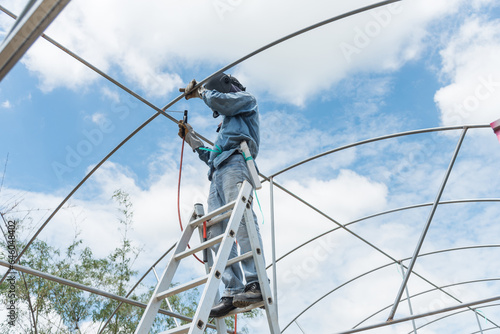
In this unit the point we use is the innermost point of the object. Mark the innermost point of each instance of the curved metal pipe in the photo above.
(314, 26)
(395, 135)
(452, 314)
(231, 65)
(428, 291)
(136, 285)
(95, 69)
(384, 213)
(382, 267)
(357, 236)
(423, 315)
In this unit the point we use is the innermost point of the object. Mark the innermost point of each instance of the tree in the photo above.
(47, 307)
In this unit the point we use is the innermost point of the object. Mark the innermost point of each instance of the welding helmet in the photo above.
(224, 83)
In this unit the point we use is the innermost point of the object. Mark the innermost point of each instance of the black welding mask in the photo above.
(225, 84)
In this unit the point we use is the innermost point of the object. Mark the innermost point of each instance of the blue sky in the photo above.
(416, 65)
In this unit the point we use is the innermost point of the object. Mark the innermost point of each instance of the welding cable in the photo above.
(179, 195)
(162, 111)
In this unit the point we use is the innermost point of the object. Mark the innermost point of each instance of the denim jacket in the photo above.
(240, 121)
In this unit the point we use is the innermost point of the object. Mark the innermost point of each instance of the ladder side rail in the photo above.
(154, 304)
(220, 323)
(251, 165)
(200, 318)
(258, 254)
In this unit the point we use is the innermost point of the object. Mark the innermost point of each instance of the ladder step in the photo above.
(178, 330)
(219, 218)
(182, 287)
(200, 247)
(212, 214)
(239, 258)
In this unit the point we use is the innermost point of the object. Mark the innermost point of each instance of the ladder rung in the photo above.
(178, 330)
(212, 214)
(182, 287)
(201, 247)
(219, 218)
(239, 258)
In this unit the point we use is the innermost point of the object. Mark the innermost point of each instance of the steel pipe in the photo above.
(372, 140)
(385, 266)
(314, 26)
(426, 228)
(35, 18)
(422, 315)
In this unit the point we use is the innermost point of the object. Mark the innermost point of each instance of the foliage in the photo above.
(45, 307)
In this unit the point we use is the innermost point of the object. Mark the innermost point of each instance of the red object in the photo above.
(179, 197)
(496, 128)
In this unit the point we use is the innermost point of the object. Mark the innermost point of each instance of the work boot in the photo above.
(224, 307)
(251, 295)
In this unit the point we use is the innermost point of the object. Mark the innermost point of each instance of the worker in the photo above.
(226, 97)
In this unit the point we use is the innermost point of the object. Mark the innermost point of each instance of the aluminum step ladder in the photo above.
(236, 210)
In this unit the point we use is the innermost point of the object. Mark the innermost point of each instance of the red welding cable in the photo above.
(179, 195)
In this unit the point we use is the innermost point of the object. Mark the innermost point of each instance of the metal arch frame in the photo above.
(435, 204)
(479, 200)
(426, 228)
(383, 267)
(372, 140)
(428, 291)
(297, 33)
(354, 234)
(99, 292)
(423, 315)
(452, 314)
(162, 111)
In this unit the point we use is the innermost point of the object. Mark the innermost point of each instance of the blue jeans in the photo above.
(224, 189)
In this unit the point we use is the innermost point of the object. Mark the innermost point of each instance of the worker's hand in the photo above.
(184, 129)
(190, 92)
(187, 133)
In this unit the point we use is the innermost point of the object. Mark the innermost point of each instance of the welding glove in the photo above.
(187, 133)
(190, 93)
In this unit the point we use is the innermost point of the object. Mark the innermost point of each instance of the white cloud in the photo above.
(6, 104)
(148, 41)
(97, 118)
(312, 271)
(471, 65)
(15, 7)
(111, 94)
